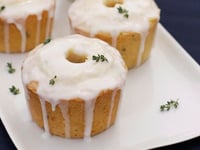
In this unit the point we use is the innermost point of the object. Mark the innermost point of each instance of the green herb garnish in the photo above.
(52, 81)
(10, 68)
(99, 57)
(123, 11)
(47, 41)
(169, 105)
(2, 8)
(14, 90)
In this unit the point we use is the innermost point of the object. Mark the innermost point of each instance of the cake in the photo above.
(73, 85)
(24, 24)
(128, 25)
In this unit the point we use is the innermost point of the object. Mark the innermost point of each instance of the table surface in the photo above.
(182, 19)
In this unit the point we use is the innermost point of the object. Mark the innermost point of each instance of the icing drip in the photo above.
(89, 112)
(39, 18)
(48, 26)
(23, 34)
(6, 36)
(50, 16)
(114, 39)
(111, 108)
(142, 47)
(64, 111)
(53, 105)
(22, 28)
(44, 116)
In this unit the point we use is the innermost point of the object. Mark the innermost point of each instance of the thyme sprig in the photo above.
(52, 81)
(2, 8)
(10, 68)
(99, 57)
(47, 41)
(14, 90)
(123, 11)
(169, 105)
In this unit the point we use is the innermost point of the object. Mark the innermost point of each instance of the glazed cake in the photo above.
(128, 25)
(24, 24)
(73, 85)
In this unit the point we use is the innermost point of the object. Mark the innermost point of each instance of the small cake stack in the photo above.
(73, 85)
(128, 25)
(24, 24)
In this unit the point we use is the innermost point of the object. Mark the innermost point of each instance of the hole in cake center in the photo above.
(75, 57)
(112, 3)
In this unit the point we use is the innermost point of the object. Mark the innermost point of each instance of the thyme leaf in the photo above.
(52, 81)
(2, 8)
(47, 41)
(99, 57)
(169, 105)
(10, 68)
(123, 11)
(14, 90)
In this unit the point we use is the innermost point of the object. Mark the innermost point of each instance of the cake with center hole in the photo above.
(24, 24)
(128, 25)
(73, 85)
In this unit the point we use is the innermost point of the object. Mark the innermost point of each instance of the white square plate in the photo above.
(170, 73)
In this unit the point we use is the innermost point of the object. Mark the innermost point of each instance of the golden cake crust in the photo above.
(76, 113)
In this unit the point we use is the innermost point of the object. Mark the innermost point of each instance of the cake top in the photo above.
(14, 9)
(127, 15)
(74, 67)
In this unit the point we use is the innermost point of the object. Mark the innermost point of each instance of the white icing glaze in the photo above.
(93, 17)
(17, 11)
(74, 80)
(84, 80)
